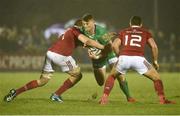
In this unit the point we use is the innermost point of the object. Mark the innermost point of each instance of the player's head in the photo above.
(78, 23)
(88, 22)
(136, 20)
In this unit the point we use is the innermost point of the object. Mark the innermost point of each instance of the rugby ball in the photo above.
(95, 51)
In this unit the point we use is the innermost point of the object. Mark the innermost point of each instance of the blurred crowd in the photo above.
(14, 40)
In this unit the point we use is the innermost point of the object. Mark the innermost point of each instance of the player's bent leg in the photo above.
(108, 87)
(152, 74)
(158, 85)
(75, 77)
(124, 87)
(44, 78)
(99, 75)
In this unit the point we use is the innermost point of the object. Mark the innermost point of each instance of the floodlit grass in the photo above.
(78, 99)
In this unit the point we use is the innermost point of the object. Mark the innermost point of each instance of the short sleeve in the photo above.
(76, 32)
(149, 35)
(120, 35)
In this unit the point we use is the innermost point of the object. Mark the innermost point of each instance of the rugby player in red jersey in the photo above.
(60, 53)
(130, 46)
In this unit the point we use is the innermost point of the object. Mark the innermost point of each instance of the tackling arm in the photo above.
(154, 50)
(90, 42)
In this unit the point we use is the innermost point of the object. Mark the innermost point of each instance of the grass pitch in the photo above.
(78, 99)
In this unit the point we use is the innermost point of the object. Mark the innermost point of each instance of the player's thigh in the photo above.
(112, 62)
(122, 65)
(152, 74)
(140, 64)
(48, 65)
(66, 63)
(100, 75)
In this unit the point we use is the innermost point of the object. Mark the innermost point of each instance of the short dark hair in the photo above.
(78, 23)
(136, 20)
(87, 17)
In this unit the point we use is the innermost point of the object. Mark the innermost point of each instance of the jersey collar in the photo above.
(135, 26)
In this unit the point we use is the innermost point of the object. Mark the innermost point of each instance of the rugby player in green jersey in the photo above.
(100, 59)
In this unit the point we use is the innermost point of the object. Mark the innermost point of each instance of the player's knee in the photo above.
(45, 77)
(100, 79)
(100, 83)
(76, 72)
(74, 79)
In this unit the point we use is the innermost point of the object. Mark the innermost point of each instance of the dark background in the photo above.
(115, 12)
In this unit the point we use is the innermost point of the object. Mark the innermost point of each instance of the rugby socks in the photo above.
(66, 85)
(158, 85)
(28, 86)
(109, 84)
(124, 87)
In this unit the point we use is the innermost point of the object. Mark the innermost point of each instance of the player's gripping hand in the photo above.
(156, 65)
(109, 36)
(94, 53)
(107, 49)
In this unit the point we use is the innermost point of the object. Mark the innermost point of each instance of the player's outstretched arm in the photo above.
(116, 44)
(90, 42)
(154, 50)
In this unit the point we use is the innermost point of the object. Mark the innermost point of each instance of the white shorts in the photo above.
(137, 63)
(66, 63)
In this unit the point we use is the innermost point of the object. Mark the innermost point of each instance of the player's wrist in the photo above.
(102, 47)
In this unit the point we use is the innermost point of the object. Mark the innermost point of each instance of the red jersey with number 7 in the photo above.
(133, 41)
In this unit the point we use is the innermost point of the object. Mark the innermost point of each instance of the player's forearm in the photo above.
(94, 44)
(116, 50)
(89, 42)
(116, 44)
(155, 53)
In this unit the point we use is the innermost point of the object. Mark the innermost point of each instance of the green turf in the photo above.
(78, 99)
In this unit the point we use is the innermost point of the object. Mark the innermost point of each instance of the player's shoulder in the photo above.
(124, 30)
(72, 30)
(144, 29)
(100, 28)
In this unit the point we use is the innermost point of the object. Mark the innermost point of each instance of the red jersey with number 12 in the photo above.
(133, 41)
(66, 43)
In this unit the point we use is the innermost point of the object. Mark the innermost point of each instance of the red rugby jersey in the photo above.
(66, 43)
(133, 41)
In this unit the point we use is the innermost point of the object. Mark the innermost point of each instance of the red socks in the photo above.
(109, 84)
(158, 85)
(28, 86)
(67, 84)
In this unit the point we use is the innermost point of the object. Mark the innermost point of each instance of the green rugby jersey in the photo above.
(99, 32)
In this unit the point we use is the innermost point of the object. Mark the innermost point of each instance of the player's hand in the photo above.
(156, 65)
(107, 49)
(93, 56)
(109, 36)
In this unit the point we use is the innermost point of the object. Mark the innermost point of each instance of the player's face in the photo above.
(89, 25)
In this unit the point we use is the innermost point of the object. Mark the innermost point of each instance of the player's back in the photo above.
(66, 43)
(133, 41)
